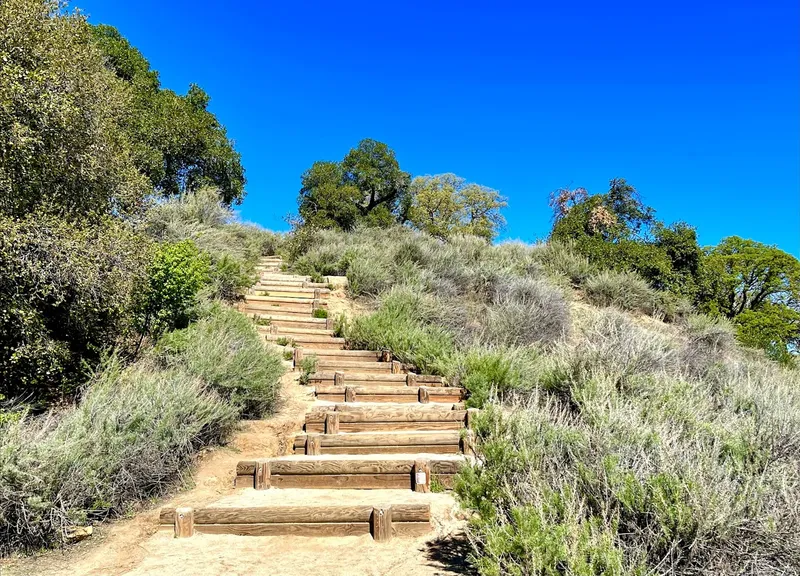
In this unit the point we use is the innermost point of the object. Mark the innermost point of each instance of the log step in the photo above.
(281, 300)
(328, 378)
(380, 521)
(400, 394)
(370, 418)
(324, 355)
(277, 313)
(444, 442)
(327, 363)
(290, 322)
(348, 471)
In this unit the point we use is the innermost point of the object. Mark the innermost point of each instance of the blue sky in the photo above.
(697, 104)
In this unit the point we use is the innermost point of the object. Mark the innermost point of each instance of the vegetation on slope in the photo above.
(611, 442)
(118, 358)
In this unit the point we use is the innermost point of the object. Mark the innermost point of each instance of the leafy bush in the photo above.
(175, 276)
(66, 293)
(225, 350)
(366, 277)
(526, 311)
(625, 290)
(130, 438)
(399, 326)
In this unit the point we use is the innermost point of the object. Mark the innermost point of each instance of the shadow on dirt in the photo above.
(450, 553)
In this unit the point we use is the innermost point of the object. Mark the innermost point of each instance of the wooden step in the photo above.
(328, 378)
(399, 394)
(280, 300)
(278, 308)
(290, 284)
(289, 293)
(326, 363)
(348, 471)
(384, 521)
(292, 331)
(289, 322)
(324, 355)
(281, 314)
(378, 418)
(394, 442)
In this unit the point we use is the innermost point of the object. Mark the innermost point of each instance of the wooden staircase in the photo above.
(375, 425)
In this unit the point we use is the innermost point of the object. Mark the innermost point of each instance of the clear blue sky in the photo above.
(697, 104)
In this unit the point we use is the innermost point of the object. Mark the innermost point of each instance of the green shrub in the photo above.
(398, 326)
(66, 294)
(225, 350)
(175, 276)
(308, 366)
(320, 313)
(367, 277)
(228, 279)
(129, 439)
(625, 290)
(495, 373)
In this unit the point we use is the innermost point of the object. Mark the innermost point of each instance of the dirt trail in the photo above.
(135, 546)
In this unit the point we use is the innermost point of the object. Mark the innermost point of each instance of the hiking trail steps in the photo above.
(375, 425)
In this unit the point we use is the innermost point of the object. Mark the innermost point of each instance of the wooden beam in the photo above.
(313, 445)
(298, 357)
(411, 379)
(424, 395)
(422, 476)
(397, 367)
(300, 514)
(338, 378)
(184, 522)
(382, 523)
(386, 356)
(349, 394)
(331, 423)
(353, 466)
(262, 475)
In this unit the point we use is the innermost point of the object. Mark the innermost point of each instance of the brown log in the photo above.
(261, 479)
(468, 443)
(331, 423)
(422, 476)
(298, 357)
(424, 395)
(411, 379)
(382, 524)
(338, 378)
(349, 394)
(313, 445)
(397, 367)
(344, 481)
(354, 466)
(184, 522)
(297, 514)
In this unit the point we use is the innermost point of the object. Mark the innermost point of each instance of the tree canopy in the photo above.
(367, 186)
(446, 204)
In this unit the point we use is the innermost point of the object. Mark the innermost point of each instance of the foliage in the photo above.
(625, 290)
(129, 439)
(175, 276)
(759, 286)
(61, 114)
(66, 294)
(632, 458)
(224, 349)
(445, 204)
(177, 143)
(367, 186)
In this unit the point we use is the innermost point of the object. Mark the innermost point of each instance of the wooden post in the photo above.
(184, 522)
(312, 445)
(468, 443)
(411, 379)
(330, 323)
(338, 378)
(262, 475)
(332, 423)
(471, 413)
(386, 355)
(422, 476)
(382, 524)
(316, 304)
(397, 368)
(317, 293)
(349, 393)
(424, 395)
(305, 284)
(298, 357)
(273, 329)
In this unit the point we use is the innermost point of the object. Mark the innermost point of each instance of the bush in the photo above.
(225, 350)
(367, 277)
(399, 325)
(175, 276)
(526, 311)
(494, 373)
(66, 294)
(129, 439)
(625, 290)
